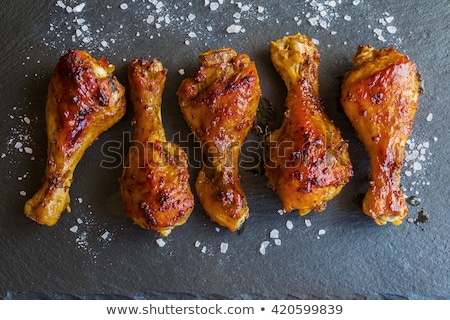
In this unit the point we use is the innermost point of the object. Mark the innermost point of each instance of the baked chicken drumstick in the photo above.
(155, 181)
(306, 160)
(219, 102)
(84, 100)
(380, 97)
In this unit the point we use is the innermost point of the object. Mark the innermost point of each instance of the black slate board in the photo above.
(106, 256)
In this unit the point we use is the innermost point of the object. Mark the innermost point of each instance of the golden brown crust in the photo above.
(306, 160)
(155, 181)
(380, 97)
(84, 99)
(219, 103)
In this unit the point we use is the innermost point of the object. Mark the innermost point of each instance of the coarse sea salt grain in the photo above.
(223, 247)
(289, 225)
(23, 193)
(124, 6)
(197, 244)
(262, 248)
(160, 242)
(308, 223)
(322, 232)
(277, 242)
(74, 229)
(234, 28)
(430, 117)
(274, 234)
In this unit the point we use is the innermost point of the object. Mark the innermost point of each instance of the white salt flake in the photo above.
(234, 28)
(150, 19)
(181, 72)
(18, 145)
(197, 244)
(356, 2)
(105, 235)
(26, 120)
(23, 193)
(79, 221)
(192, 35)
(160, 242)
(315, 41)
(214, 6)
(274, 234)
(280, 212)
(308, 223)
(277, 242)
(191, 16)
(223, 247)
(28, 150)
(391, 29)
(389, 19)
(417, 166)
(260, 9)
(124, 6)
(61, 4)
(79, 8)
(322, 232)
(74, 229)
(289, 225)
(430, 117)
(203, 249)
(347, 18)
(262, 248)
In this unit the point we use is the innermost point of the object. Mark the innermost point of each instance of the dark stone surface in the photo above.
(110, 258)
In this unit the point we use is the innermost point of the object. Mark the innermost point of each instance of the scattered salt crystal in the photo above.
(79, 7)
(430, 117)
(234, 28)
(332, 4)
(389, 19)
(435, 138)
(408, 173)
(217, 229)
(79, 221)
(277, 242)
(105, 235)
(192, 35)
(18, 145)
(274, 234)
(264, 245)
(23, 193)
(191, 16)
(26, 120)
(289, 224)
(197, 244)
(260, 9)
(203, 249)
(391, 29)
(347, 18)
(28, 150)
(160, 242)
(356, 2)
(187, 42)
(150, 19)
(74, 229)
(80, 200)
(61, 4)
(417, 166)
(308, 222)
(181, 72)
(315, 41)
(322, 232)
(214, 6)
(124, 6)
(280, 211)
(223, 247)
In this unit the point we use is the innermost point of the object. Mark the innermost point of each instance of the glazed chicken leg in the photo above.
(155, 181)
(84, 100)
(380, 97)
(306, 160)
(219, 102)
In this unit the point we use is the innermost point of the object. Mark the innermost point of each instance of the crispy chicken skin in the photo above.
(155, 181)
(84, 100)
(219, 102)
(306, 160)
(380, 97)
